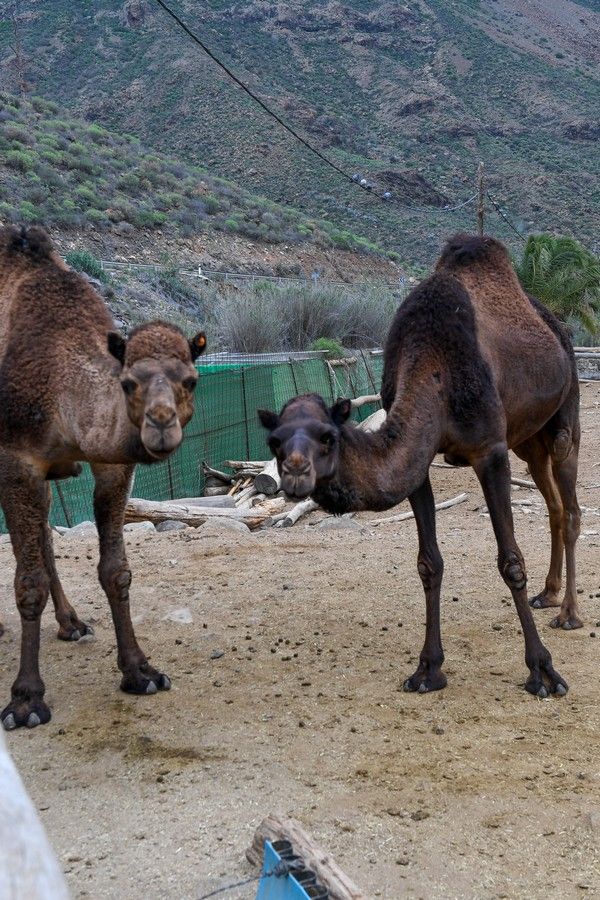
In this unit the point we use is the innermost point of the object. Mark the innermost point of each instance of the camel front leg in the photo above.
(429, 675)
(493, 472)
(110, 496)
(24, 500)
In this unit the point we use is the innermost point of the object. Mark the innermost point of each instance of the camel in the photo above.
(473, 367)
(73, 389)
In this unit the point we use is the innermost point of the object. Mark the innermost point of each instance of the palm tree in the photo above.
(565, 276)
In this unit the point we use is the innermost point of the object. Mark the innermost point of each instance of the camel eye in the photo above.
(327, 439)
(129, 386)
(190, 383)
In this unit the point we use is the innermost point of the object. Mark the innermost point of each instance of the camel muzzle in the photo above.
(297, 480)
(161, 438)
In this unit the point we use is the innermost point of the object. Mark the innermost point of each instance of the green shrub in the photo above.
(83, 261)
(148, 218)
(28, 212)
(333, 349)
(20, 159)
(96, 216)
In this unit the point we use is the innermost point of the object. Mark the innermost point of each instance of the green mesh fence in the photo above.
(225, 425)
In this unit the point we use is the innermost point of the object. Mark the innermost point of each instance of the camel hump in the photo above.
(31, 242)
(466, 249)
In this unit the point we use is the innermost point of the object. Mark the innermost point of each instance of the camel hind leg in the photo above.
(565, 475)
(537, 457)
(71, 627)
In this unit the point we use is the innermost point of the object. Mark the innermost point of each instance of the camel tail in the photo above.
(32, 242)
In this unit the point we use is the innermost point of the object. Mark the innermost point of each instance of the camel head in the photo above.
(304, 438)
(158, 378)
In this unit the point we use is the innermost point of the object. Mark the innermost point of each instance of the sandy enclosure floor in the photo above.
(477, 791)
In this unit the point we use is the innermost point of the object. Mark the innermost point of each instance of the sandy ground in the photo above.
(478, 791)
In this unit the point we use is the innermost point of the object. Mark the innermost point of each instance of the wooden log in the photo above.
(356, 402)
(243, 496)
(249, 465)
(220, 501)
(273, 505)
(522, 482)
(209, 472)
(28, 867)
(401, 517)
(329, 874)
(161, 511)
(268, 481)
(286, 520)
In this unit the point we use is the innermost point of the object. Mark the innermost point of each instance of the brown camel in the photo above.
(472, 368)
(73, 389)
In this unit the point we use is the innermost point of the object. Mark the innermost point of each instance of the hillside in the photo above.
(411, 96)
(93, 186)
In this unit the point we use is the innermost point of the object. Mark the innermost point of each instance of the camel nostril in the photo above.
(296, 470)
(161, 420)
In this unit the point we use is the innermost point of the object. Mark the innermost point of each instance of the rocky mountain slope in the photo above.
(410, 96)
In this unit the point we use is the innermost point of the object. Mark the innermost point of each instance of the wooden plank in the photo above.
(329, 874)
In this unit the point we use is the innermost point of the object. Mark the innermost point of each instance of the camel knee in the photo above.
(31, 593)
(115, 580)
(562, 445)
(431, 569)
(512, 569)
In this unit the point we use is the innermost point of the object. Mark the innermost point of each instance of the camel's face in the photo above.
(159, 390)
(304, 439)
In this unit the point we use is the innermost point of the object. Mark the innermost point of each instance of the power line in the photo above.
(506, 219)
(354, 179)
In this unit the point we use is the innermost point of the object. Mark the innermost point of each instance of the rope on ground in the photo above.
(283, 868)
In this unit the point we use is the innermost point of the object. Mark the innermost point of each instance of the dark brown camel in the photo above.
(73, 389)
(473, 367)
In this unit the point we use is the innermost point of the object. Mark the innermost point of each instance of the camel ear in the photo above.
(116, 345)
(340, 411)
(197, 345)
(268, 419)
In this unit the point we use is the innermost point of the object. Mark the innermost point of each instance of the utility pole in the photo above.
(17, 46)
(481, 199)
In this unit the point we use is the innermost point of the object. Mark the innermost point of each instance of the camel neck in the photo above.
(380, 469)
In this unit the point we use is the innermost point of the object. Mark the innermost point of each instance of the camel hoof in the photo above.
(151, 688)
(76, 632)
(422, 689)
(561, 690)
(33, 720)
(536, 604)
(568, 624)
(9, 722)
(542, 693)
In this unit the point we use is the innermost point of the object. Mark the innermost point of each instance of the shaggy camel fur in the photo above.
(72, 389)
(473, 367)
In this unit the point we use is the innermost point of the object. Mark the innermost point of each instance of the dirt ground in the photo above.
(477, 791)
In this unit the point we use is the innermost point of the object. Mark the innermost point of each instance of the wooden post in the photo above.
(481, 200)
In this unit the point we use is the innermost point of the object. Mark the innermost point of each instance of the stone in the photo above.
(181, 616)
(139, 526)
(216, 526)
(339, 523)
(84, 529)
(170, 525)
